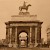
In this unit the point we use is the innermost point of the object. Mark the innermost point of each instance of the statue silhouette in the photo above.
(24, 6)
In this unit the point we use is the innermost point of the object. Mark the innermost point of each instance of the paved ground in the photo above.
(3, 48)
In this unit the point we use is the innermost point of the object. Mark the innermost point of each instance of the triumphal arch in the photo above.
(24, 30)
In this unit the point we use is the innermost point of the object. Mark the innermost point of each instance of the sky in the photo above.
(41, 8)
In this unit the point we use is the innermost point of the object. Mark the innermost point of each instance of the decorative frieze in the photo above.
(24, 24)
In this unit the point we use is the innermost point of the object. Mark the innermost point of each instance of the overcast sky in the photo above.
(41, 8)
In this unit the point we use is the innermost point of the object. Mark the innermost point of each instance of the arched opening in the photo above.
(23, 39)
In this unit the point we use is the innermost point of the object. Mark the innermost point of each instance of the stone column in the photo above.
(16, 35)
(8, 36)
(10, 29)
(30, 43)
(30, 33)
(35, 37)
(15, 45)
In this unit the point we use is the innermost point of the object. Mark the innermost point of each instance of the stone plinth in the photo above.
(24, 13)
(24, 16)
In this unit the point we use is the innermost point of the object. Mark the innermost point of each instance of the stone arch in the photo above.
(23, 31)
(25, 35)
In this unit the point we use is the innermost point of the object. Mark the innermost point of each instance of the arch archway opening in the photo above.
(23, 39)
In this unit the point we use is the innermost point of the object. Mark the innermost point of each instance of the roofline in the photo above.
(9, 22)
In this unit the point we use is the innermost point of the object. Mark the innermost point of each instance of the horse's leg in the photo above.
(26, 10)
(21, 9)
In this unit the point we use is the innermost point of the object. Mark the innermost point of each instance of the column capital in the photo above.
(36, 26)
(31, 26)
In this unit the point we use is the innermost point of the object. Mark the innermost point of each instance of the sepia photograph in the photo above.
(24, 24)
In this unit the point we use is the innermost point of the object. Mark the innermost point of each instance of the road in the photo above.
(5, 48)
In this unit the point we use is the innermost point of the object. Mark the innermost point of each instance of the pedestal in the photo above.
(15, 45)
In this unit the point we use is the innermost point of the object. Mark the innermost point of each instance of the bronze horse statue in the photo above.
(24, 7)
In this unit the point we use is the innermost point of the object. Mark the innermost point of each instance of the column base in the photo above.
(15, 45)
(9, 45)
(30, 45)
(35, 44)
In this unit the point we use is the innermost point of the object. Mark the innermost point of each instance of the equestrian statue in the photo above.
(24, 6)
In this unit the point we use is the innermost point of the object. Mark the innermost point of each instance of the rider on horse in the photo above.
(24, 5)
